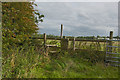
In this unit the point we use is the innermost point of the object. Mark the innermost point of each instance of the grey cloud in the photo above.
(78, 18)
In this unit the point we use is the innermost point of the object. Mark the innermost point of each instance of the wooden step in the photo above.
(51, 45)
(53, 51)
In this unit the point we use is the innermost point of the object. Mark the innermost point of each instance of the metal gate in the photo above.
(113, 52)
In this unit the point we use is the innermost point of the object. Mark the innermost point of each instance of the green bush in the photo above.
(18, 22)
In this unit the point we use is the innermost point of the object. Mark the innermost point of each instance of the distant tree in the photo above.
(98, 36)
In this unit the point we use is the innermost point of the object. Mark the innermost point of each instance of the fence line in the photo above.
(71, 39)
(65, 41)
(113, 57)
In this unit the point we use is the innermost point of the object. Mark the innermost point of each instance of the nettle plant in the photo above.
(19, 22)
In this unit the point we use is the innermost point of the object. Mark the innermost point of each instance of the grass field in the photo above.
(31, 62)
(100, 46)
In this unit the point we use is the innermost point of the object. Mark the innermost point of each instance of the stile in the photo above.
(64, 43)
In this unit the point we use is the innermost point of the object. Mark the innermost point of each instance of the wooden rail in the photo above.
(65, 41)
(71, 39)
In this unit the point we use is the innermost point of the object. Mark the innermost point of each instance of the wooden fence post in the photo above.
(61, 36)
(64, 43)
(110, 43)
(45, 41)
(118, 46)
(74, 44)
(111, 35)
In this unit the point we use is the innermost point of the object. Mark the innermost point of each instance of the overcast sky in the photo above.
(79, 18)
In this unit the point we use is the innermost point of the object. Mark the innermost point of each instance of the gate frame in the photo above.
(110, 52)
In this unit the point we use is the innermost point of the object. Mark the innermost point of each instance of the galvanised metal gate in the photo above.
(113, 52)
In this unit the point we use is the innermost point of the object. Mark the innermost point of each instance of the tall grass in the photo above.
(19, 60)
(30, 61)
(68, 66)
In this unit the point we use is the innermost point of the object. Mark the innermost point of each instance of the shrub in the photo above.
(19, 22)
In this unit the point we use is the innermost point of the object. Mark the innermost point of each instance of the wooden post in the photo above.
(64, 43)
(73, 44)
(119, 46)
(61, 31)
(110, 43)
(111, 35)
(64, 37)
(45, 41)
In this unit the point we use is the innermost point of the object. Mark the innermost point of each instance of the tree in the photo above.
(19, 22)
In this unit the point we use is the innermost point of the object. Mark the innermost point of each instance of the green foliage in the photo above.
(27, 62)
(19, 22)
(86, 37)
(23, 59)
(74, 67)
(54, 42)
(48, 36)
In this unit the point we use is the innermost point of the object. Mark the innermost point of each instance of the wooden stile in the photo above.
(64, 43)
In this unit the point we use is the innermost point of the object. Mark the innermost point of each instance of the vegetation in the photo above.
(30, 63)
(19, 22)
(79, 37)
(24, 57)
